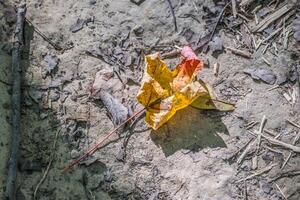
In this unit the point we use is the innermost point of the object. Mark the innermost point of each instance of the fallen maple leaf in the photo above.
(164, 92)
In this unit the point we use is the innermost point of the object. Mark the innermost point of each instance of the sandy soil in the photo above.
(189, 158)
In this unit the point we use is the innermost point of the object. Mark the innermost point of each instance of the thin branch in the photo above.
(16, 102)
(48, 166)
(258, 172)
(99, 144)
(173, 15)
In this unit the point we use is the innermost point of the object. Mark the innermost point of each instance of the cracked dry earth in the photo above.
(189, 158)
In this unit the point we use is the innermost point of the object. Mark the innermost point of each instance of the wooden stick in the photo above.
(297, 137)
(245, 152)
(216, 25)
(48, 166)
(260, 131)
(16, 102)
(262, 25)
(245, 3)
(239, 52)
(282, 174)
(173, 15)
(55, 46)
(272, 35)
(234, 10)
(99, 144)
(280, 191)
(294, 124)
(280, 143)
(258, 172)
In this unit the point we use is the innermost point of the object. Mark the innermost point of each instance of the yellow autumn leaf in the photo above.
(164, 92)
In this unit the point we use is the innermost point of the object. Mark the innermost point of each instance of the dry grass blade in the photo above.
(51, 158)
(258, 172)
(297, 137)
(293, 123)
(271, 18)
(280, 143)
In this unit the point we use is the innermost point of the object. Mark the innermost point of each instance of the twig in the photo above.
(5, 83)
(261, 128)
(294, 124)
(16, 102)
(99, 144)
(48, 166)
(271, 18)
(239, 52)
(216, 69)
(180, 187)
(239, 150)
(233, 5)
(216, 25)
(274, 150)
(289, 173)
(250, 125)
(258, 172)
(173, 15)
(280, 191)
(266, 61)
(270, 132)
(272, 35)
(245, 152)
(245, 3)
(297, 137)
(280, 143)
(245, 190)
(55, 46)
(274, 87)
(265, 49)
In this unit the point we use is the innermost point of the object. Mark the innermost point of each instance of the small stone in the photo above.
(74, 154)
(43, 115)
(266, 187)
(138, 30)
(206, 150)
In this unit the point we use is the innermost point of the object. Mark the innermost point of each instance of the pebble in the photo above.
(74, 153)
(138, 30)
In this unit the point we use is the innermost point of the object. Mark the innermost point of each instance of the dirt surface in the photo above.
(194, 156)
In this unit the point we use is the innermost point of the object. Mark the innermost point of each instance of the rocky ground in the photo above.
(197, 154)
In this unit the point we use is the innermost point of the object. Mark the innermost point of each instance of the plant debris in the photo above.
(216, 45)
(49, 64)
(117, 112)
(80, 23)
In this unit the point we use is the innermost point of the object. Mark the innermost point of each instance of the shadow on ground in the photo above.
(190, 129)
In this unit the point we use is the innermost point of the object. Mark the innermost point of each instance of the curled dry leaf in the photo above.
(164, 92)
(264, 75)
